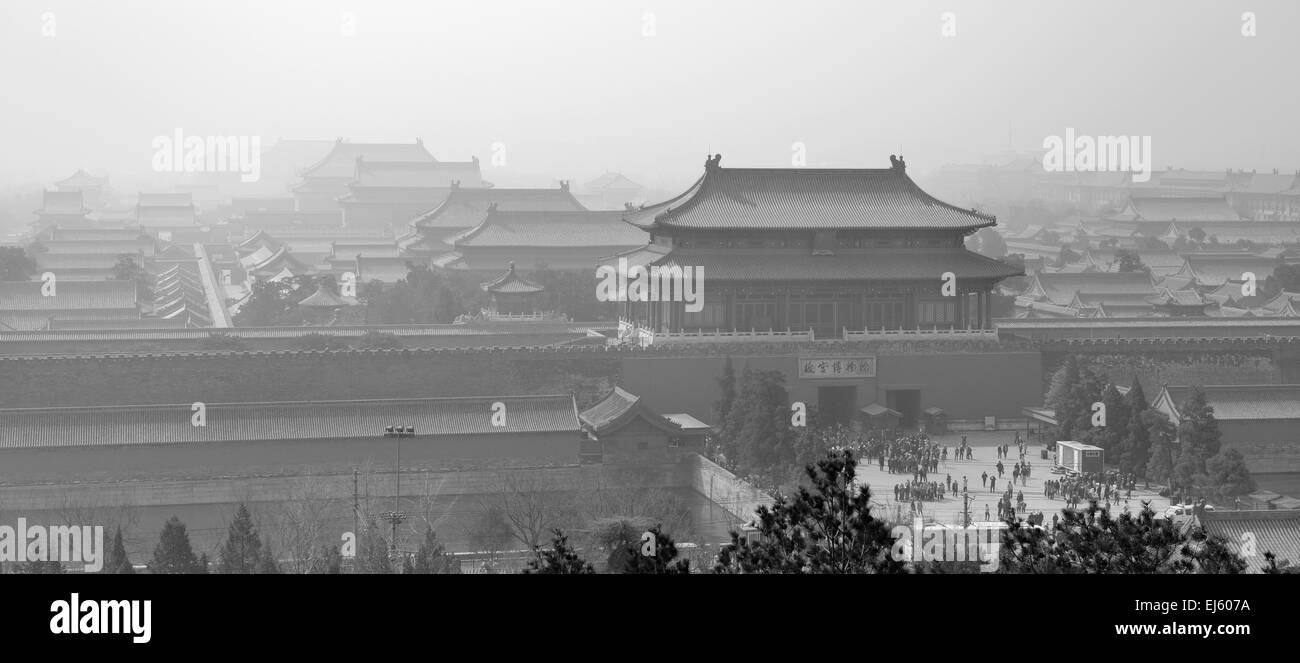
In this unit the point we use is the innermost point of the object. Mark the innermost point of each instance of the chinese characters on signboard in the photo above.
(837, 367)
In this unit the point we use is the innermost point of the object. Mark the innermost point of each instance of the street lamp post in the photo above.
(396, 517)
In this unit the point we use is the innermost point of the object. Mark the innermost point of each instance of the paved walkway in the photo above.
(949, 509)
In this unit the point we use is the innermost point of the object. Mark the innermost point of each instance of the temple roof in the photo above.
(551, 229)
(385, 269)
(320, 219)
(1179, 208)
(70, 295)
(171, 215)
(62, 202)
(611, 181)
(98, 262)
(426, 174)
(1063, 289)
(341, 162)
(170, 424)
(1266, 232)
(806, 198)
(877, 265)
(466, 207)
(511, 283)
(109, 246)
(93, 234)
(81, 179)
(1236, 402)
(166, 199)
(618, 409)
(323, 298)
(1215, 269)
(1276, 530)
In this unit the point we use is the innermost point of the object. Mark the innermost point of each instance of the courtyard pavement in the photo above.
(949, 510)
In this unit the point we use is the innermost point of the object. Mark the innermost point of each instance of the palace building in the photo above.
(465, 207)
(817, 250)
(323, 183)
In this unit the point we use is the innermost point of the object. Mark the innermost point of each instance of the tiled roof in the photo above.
(268, 218)
(881, 264)
(511, 282)
(258, 240)
(1243, 402)
(1267, 232)
(293, 155)
(1275, 531)
(617, 409)
(341, 162)
(806, 198)
(166, 199)
(276, 263)
(325, 299)
(1061, 288)
(125, 323)
(466, 207)
(81, 179)
(612, 181)
(1183, 208)
(377, 249)
(387, 270)
(552, 229)
(170, 424)
(241, 204)
(159, 215)
(1265, 183)
(95, 234)
(876, 410)
(68, 295)
(448, 260)
(107, 246)
(433, 174)
(1177, 298)
(93, 261)
(1213, 270)
(640, 256)
(62, 202)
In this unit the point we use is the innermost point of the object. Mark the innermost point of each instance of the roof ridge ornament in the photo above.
(897, 162)
(713, 162)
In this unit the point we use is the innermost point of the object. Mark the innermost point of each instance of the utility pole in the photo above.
(396, 517)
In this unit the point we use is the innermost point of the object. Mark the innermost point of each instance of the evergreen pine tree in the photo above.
(662, 557)
(242, 550)
(117, 561)
(1111, 436)
(828, 529)
(1163, 451)
(1058, 396)
(1136, 448)
(559, 559)
(1198, 430)
(173, 553)
(431, 557)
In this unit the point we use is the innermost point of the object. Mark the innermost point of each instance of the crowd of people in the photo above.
(1081, 489)
(912, 453)
(917, 455)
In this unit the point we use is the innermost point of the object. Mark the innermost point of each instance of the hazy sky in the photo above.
(574, 87)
